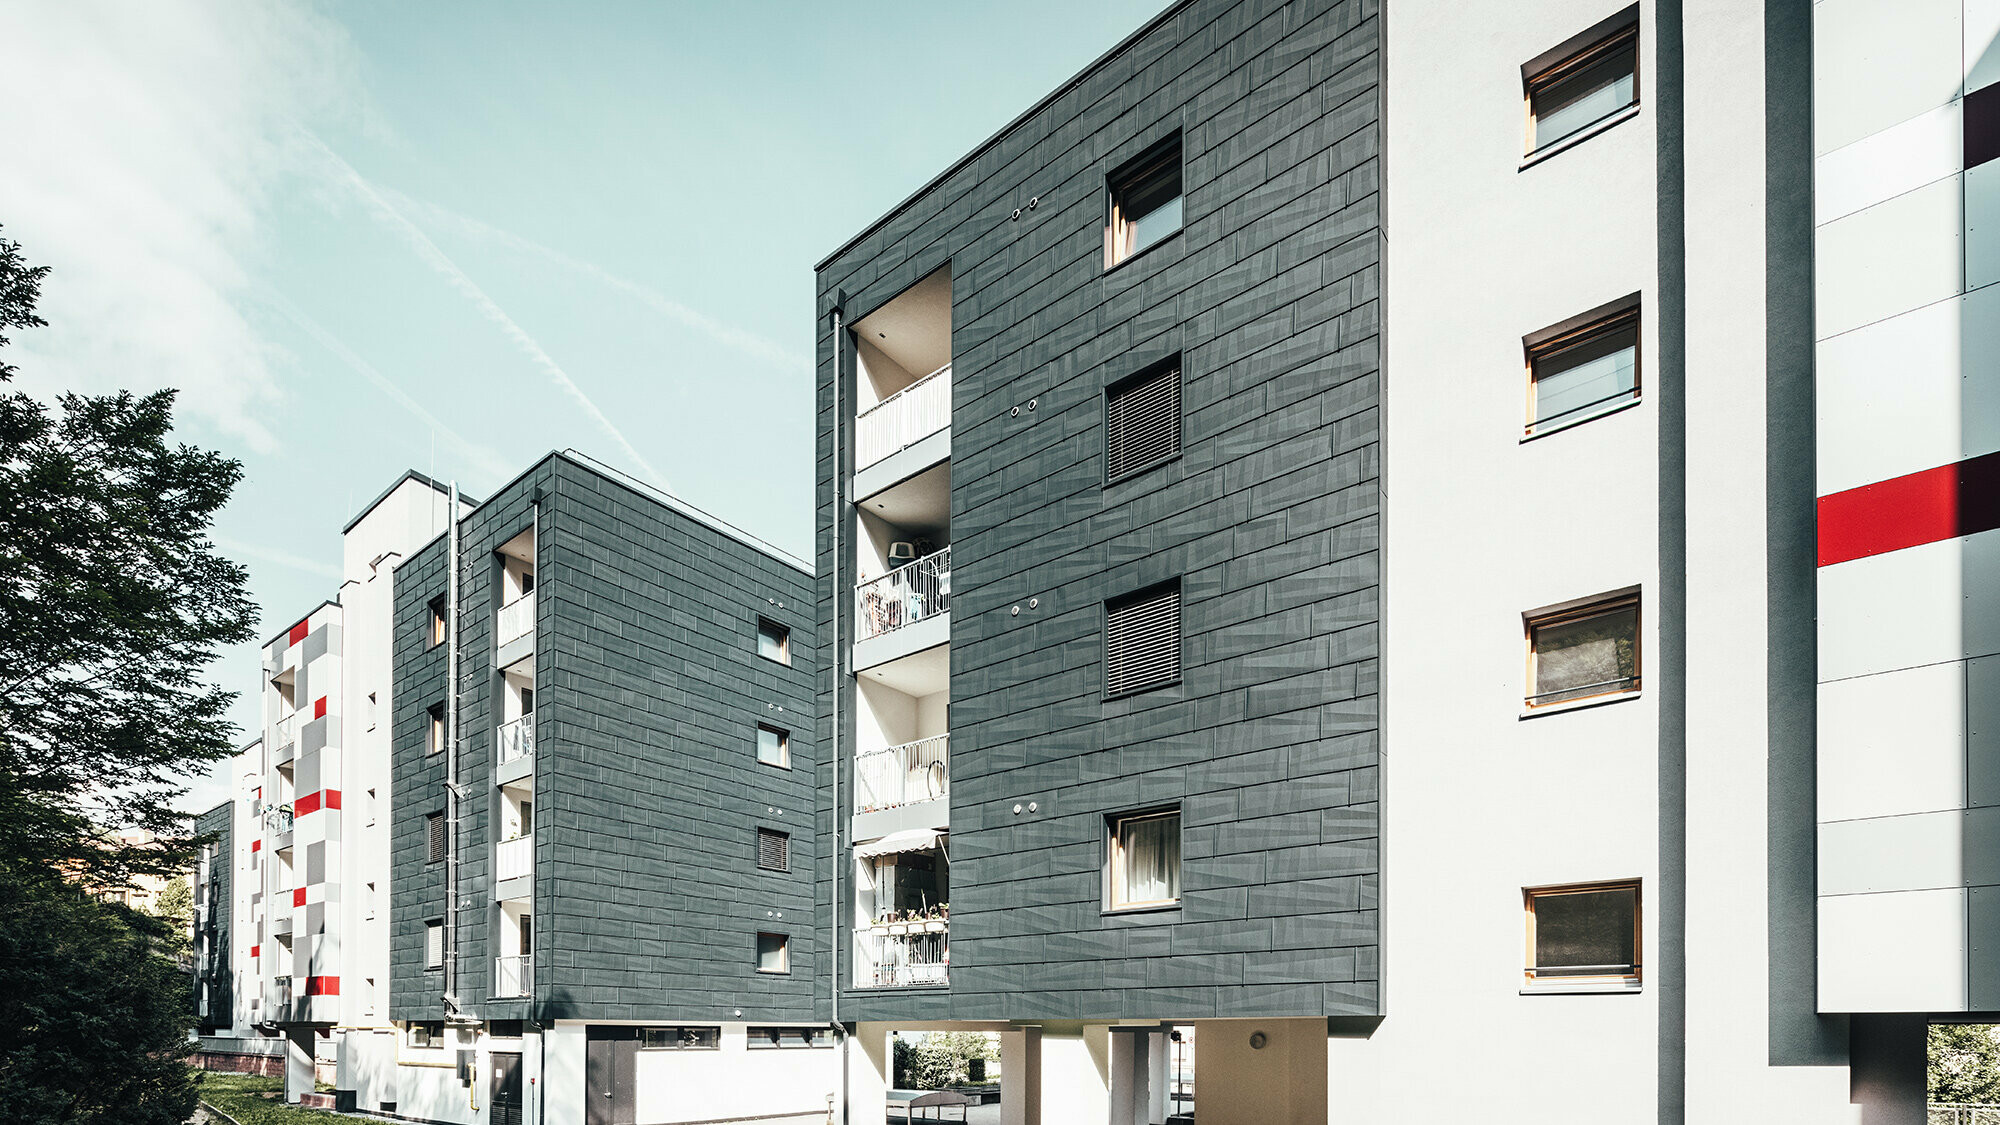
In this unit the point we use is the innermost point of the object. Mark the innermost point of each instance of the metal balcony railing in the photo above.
(1942, 1113)
(517, 739)
(904, 418)
(279, 1003)
(514, 858)
(904, 596)
(285, 731)
(517, 619)
(908, 955)
(513, 976)
(902, 775)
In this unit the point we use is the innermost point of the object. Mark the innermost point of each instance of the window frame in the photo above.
(784, 842)
(1564, 61)
(437, 838)
(433, 1033)
(784, 953)
(434, 730)
(787, 1037)
(1632, 980)
(676, 1037)
(784, 761)
(784, 634)
(1114, 859)
(433, 926)
(1135, 597)
(1569, 613)
(1170, 365)
(437, 623)
(1122, 179)
(1588, 328)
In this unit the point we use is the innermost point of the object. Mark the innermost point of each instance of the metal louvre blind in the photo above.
(434, 824)
(774, 850)
(1142, 640)
(1142, 422)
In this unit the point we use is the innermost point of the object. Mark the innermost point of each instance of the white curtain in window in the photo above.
(1153, 859)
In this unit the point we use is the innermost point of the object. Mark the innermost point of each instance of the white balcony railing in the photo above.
(904, 596)
(514, 858)
(278, 1001)
(902, 775)
(517, 739)
(904, 418)
(513, 976)
(285, 731)
(908, 955)
(517, 619)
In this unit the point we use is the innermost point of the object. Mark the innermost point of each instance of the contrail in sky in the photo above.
(281, 558)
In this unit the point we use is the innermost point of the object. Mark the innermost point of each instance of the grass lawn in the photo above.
(252, 1100)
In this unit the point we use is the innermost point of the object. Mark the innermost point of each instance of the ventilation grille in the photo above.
(1142, 640)
(1142, 422)
(774, 850)
(434, 825)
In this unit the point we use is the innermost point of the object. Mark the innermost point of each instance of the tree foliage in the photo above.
(175, 910)
(112, 603)
(934, 1060)
(1964, 1064)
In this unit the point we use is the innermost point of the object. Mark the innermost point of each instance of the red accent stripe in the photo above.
(319, 707)
(256, 845)
(330, 798)
(256, 951)
(1910, 511)
(299, 896)
(297, 634)
(306, 804)
(322, 986)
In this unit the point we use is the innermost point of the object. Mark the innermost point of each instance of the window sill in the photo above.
(1571, 423)
(1126, 911)
(1593, 988)
(1581, 704)
(1580, 136)
(1138, 254)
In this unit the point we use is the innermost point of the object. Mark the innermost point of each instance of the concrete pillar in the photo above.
(1021, 1077)
(1076, 1074)
(1159, 1077)
(1130, 1072)
(301, 1069)
(1887, 1055)
(870, 1068)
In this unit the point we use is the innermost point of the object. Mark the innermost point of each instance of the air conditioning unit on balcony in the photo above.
(901, 552)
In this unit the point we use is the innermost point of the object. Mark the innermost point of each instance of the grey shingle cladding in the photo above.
(1271, 519)
(648, 792)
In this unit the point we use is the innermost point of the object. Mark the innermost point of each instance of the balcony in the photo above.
(903, 419)
(515, 750)
(910, 954)
(517, 620)
(513, 868)
(513, 976)
(284, 738)
(278, 1000)
(902, 775)
(906, 595)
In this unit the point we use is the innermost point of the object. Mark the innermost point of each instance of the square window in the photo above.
(434, 944)
(1590, 79)
(434, 623)
(1584, 651)
(774, 850)
(774, 953)
(429, 1034)
(1143, 205)
(434, 730)
(1583, 938)
(1142, 640)
(1145, 860)
(1142, 420)
(1577, 372)
(774, 641)
(774, 747)
(434, 835)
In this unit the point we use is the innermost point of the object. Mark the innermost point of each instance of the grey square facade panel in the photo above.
(1270, 519)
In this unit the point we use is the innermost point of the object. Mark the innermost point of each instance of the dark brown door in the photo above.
(610, 1067)
(505, 1095)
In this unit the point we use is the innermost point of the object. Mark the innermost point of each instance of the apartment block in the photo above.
(601, 907)
(1321, 571)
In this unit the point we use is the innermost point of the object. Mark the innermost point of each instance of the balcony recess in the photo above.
(903, 419)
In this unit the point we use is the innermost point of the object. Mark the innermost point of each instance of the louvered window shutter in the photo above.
(1142, 640)
(1142, 422)
(774, 850)
(435, 823)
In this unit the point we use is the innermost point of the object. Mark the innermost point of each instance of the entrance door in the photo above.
(505, 1094)
(610, 1073)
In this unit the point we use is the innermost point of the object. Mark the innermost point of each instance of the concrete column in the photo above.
(870, 1067)
(1129, 1074)
(1886, 1068)
(1076, 1074)
(300, 1067)
(1159, 1077)
(1021, 1077)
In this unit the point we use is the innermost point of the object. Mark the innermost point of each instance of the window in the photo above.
(1144, 202)
(1590, 79)
(1583, 938)
(775, 1037)
(774, 953)
(1142, 421)
(774, 850)
(1145, 854)
(680, 1038)
(429, 1034)
(774, 641)
(1584, 651)
(434, 834)
(1577, 371)
(434, 627)
(505, 1029)
(1142, 640)
(434, 733)
(434, 944)
(774, 747)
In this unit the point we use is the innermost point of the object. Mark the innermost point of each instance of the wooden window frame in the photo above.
(1580, 52)
(784, 634)
(1114, 860)
(1631, 980)
(784, 953)
(1548, 345)
(784, 761)
(1120, 182)
(1583, 611)
(1169, 366)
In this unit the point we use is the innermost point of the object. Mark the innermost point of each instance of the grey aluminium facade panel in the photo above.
(647, 897)
(1270, 519)
(213, 966)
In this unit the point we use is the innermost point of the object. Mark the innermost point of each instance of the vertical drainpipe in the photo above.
(835, 856)
(451, 768)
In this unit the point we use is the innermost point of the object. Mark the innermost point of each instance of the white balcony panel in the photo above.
(1914, 718)
(1877, 64)
(1903, 951)
(902, 465)
(1890, 258)
(513, 976)
(907, 641)
(517, 620)
(917, 411)
(513, 868)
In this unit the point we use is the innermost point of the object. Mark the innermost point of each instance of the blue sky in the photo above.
(451, 237)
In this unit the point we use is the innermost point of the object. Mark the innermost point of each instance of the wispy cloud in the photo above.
(483, 459)
(389, 215)
(747, 344)
(278, 558)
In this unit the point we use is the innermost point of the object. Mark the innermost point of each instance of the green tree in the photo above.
(113, 601)
(1964, 1064)
(175, 909)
